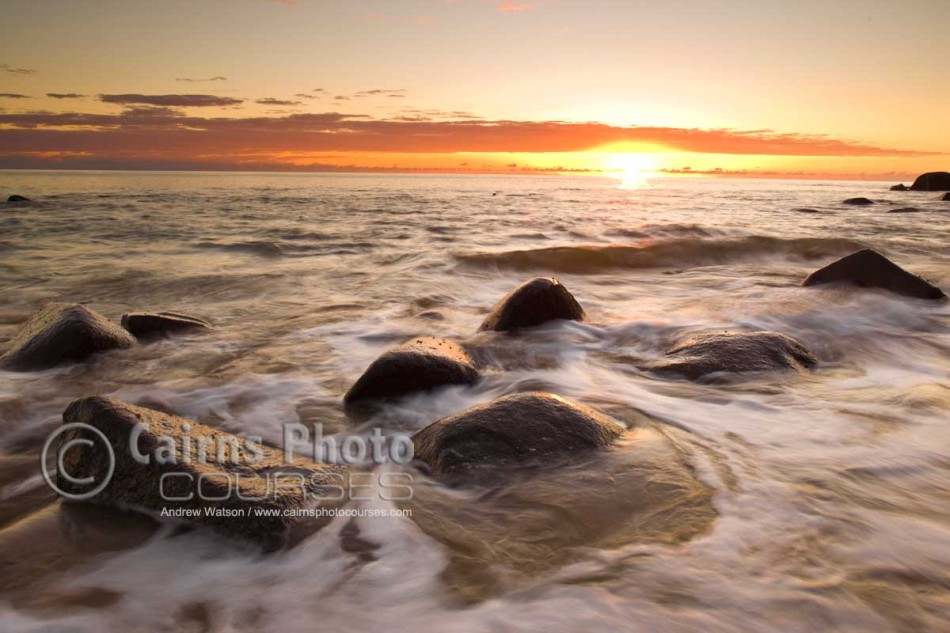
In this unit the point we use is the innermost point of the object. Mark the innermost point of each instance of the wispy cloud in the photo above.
(189, 100)
(16, 71)
(64, 95)
(382, 92)
(277, 102)
(13, 95)
(198, 81)
(304, 95)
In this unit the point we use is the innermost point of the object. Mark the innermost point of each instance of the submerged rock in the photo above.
(904, 210)
(421, 364)
(735, 352)
(525, 429)
(870, 269)
(858, 201)
(932, 181)
(17, 198)
(152, 325)
(946, 197)
(900, 187)
(532, 303)
(193, 473)
(62, 332)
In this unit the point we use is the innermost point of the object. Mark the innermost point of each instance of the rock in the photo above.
(870, 269)
(900, 187)
(16, 198)
(152, 325)
(735, 352)
(858, 201)
(532, 303)
(62, 332)
(525, 429)
(421, 364)
(946, 197)
(932, 181)
(243, 483)
(807, 210)
(904, 210)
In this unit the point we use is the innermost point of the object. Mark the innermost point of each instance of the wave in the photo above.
(671, 253)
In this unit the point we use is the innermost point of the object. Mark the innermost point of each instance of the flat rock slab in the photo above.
(153, 325)
(858, 201)
(932, 181)
(870, 269)
(236, 487)
(904, 210)
(421, 364)
(62, 332)
(521, 430)
(532, 303)
(735, 352)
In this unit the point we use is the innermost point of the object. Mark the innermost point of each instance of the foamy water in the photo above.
(830, 492)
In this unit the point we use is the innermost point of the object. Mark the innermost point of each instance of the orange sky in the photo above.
(855, 89)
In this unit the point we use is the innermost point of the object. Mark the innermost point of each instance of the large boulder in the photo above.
(62, 332)
(900, 187)
(193, 473)
(521, 430)
(869, 269)
(702, 355)
(532, 303)
(152, 325)
(932, 181)
(858, 201)
(421, 364)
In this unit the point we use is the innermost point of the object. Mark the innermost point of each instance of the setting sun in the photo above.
(631, 169)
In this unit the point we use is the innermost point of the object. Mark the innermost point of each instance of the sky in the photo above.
(847, 88)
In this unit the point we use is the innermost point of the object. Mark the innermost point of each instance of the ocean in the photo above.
(828, 492)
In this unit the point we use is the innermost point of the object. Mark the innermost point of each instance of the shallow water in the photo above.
(802, 502)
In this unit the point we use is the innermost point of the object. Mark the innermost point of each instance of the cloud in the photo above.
(277, 102)
(382, 92)
(13, 95)
(16, 71)
(64, 95)
(341, 98)
(171, 100)
(138, 133)
(195, 81)
(304, 95)
(509, 6)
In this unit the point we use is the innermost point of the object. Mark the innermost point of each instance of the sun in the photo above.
(632, 170)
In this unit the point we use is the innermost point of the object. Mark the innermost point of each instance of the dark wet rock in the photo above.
(62, 332)
(237, 477)
(432, 315)
(17, 198)
(806, 210)
(870, 269)
(525, 429)
(904, 210)
(900, 187)
(153, 325)
(932, 181)
(735, 352)
(421, 364)
(946, 197)
(858, 201)
(532, 303)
